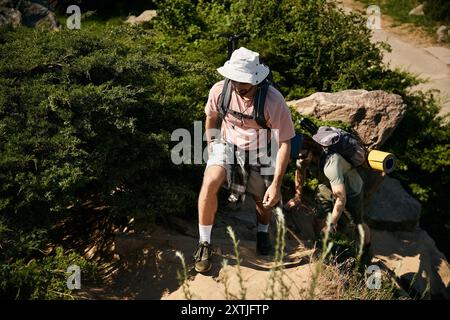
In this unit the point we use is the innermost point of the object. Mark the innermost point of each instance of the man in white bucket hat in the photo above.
(249, 113)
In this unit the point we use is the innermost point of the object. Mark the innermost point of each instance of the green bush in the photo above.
(44, 278)
(309, 45)
(90, 113)
(438, 10)
(30, 268)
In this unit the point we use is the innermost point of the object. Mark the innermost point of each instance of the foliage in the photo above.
(88, 112)
(44, 278)
(438, 10)
(309, 45)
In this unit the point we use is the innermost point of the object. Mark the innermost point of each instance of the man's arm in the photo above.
(273, 193)
(340, 197)
(300, 177)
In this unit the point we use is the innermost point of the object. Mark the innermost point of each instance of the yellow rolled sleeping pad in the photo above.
(381, 161)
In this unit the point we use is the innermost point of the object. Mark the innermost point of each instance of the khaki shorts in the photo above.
(218, 157)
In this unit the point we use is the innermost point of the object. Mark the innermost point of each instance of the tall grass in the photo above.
(242, 288)
(276, 286)
(326, 249)
(183, 278)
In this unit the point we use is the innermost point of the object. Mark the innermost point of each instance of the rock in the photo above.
(372, 182)
(392, 208)
(10, 16)
(414, 258)
(301, 222)
(184, 227)
(373, 114)
(127, 244)
(28, 13)
(442, 34)
(417, 11)
(145, 16)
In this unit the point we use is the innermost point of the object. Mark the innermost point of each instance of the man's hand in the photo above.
(272, 196)
(294, 203)
(332, 230)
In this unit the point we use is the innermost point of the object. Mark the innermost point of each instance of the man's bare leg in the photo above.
(213, 179)
(263, 217)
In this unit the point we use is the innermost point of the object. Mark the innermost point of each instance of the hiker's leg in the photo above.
(256, 186)
(367, 234)
(324, 205)
(355, 206)
(263, 215)
(213, 179)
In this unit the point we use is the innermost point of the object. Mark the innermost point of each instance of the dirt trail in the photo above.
(414, 51)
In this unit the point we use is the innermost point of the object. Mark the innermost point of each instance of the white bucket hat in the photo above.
(244, 66)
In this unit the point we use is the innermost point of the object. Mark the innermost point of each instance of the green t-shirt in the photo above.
(336, 171)
(339, 171)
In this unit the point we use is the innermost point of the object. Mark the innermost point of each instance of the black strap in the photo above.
(224, 102)
(240, 115)
(258, 110)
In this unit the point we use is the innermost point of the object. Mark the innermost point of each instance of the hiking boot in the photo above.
(202, 257)
(263, 245)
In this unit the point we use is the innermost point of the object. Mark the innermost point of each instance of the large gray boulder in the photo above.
(372, 114)
(392, 208)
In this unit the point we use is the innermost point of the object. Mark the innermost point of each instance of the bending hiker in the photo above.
(242, 106)
(339, 181)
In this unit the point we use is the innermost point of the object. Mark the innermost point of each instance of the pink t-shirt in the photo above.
(246, 133)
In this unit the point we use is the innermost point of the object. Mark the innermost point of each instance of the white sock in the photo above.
(205, 232)
(263, 227)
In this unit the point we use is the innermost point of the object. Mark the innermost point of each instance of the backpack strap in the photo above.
(258, 108)
(224, 102)
(240, 115)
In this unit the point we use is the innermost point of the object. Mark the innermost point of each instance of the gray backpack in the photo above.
(334, 140)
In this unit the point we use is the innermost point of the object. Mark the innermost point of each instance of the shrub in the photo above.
(438, 10)
(309, 45)
(90, 112)
(44, 278)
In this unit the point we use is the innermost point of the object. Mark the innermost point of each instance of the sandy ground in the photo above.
(414, 51)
